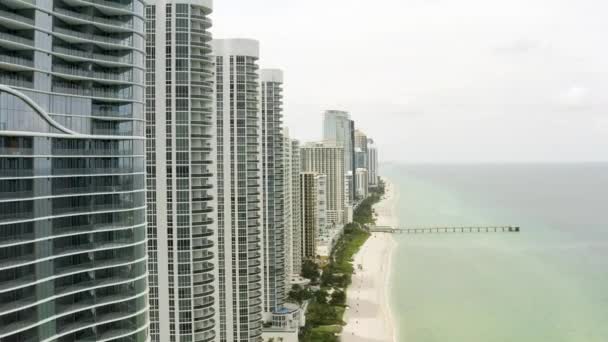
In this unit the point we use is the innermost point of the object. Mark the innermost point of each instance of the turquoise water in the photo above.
(547, 283)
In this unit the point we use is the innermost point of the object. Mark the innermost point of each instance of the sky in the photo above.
(439, 81)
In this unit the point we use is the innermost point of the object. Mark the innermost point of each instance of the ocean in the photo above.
(547, 283)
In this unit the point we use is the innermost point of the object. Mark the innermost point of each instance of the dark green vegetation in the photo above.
(327, 305)
(310, 270)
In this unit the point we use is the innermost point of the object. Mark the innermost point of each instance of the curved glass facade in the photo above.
(72, 185)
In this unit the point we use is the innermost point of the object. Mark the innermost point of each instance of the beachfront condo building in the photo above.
(339, 128)
(328, 159)
(373, 163)
(362, 183)
(273, 213)
(310, 183)
(291, 196)
(361, 155)
(287, 209)
(72, 171)
(296, 213)
(322, 226)
(239, 180)
(180, 149)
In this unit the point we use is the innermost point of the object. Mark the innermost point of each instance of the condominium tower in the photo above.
(362, 176)
(287, 209)
(72, 184)
(239, 189)
(309, 191)
(372, 163)
(339, 128)
(180, 150)
(361, 155)
(273, 228)
(328, 159)
(296, 203)
(293, 231)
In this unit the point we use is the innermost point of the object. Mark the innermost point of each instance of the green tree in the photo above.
(299, 294)
(338, 298)
(321, 297)
(310, 270)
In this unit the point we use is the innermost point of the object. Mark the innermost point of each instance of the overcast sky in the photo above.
(440, 80)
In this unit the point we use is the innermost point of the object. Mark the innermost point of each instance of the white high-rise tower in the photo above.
(181, 155)
(273, 229)
(239, 180)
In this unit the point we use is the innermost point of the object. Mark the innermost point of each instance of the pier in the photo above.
(444, 229)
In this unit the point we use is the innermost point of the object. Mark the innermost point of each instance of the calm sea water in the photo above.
(547, 283)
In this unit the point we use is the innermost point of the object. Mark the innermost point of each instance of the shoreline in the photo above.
(369, 316)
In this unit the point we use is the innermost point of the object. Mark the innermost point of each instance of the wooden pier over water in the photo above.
(445, 229)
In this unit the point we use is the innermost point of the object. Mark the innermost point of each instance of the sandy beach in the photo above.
(369, 315)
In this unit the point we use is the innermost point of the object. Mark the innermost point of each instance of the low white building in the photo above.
(285, 324)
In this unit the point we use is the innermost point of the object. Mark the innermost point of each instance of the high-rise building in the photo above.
(72, 177)
(273, 230)
(362, 183)
(239, 189)
(328, 159)
(309, 191)
(360, 150)
(339, 128)
(322, 226)
(372, 163)
(291, 195)
(287, 208)
(180, 150)
(349, 184)
(296, 213)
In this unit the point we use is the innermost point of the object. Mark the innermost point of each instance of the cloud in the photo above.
(520, 46)
(575, 98)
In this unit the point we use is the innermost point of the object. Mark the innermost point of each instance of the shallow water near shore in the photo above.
(547, 283)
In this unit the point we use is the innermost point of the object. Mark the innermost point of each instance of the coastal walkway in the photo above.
(445, 229)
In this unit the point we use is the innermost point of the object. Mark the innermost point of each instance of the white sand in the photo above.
(369, 315)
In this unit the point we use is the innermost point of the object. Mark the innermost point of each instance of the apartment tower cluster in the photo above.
(149, 190)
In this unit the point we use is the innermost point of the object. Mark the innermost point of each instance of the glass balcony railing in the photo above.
(125, 94)
(98, 56)
(16, 17)
(94, 171)
(112, 76)
(96, 19)
(16, 39)
(16, 80)
(93, 37)
(124, 5)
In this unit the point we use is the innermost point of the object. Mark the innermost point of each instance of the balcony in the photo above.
(202, 19)
(15, 21)
(68, 15)
(203, 34)
(94, 265)
(99, 75)
(95, 171)
(97, 57)
(20, 3)
(94, 92)
(112, 112)
(77, 36)
(122, 5)
(15, 41)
